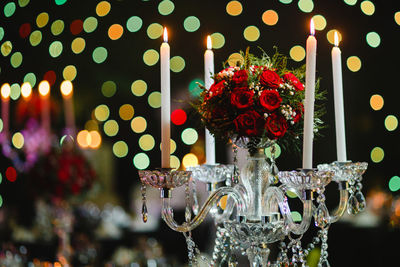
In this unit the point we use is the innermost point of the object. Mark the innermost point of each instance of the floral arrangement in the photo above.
(62, 173)
(258, 99)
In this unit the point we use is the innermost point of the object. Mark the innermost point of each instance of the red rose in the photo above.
(270, 79)
(215, 90)
(290, 78)
(242, 98)
(276, 126)
(240, 77)
(299, 113)
(270, 100)
(249, 123)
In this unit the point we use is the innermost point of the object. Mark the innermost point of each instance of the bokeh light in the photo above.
(141, 161)
(26, 89)
(138, 124)
(66, 88)
(194, 88)
(101, 112)
(126, 112)
(90, 24)
(35, 38)
(11, 174)
(270, 17)
(76, 27)
(115, 31)
(57, 27)
(6, 48)
(9, 9)
(15, 91)
(154, 100)
(177, 64)
(155, 30)
(146, 142)
(396, 18)
(394, 183)
(25, 30)
(120, 149)
(190, 160)
(134, 23)
(60, 2)
(306, 6)
(367, 7)
(191, 24)
(95, 139)
(354, 63)
(174, 162)
(42, 19)
(111, 128)
(30, 78)
(55, 48)
(50, 76)
(69, 72)
(139, 87)
(44, 88)
(277, 153)
(373, 39)
(319, 22)
(218, 40)
(234, 8)
(297, 53)
(189, 136)
(350, 2)
(377, 154)
(18, 140)
(23, 3)
(83, 138)
(109, 88)
(376, 101)
(151, 57)
(391, 123)
(166, 7)
(330, 35)
(235, 59)
(103, 8)
(5, 90)
(296, 216)
(78, 45)
(99, 54)
(178, 117)
(91, 125)
(16, 59)
(251, 33)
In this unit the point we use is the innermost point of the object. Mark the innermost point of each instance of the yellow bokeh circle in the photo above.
(331, 36)
(270, 17)
(297, 53)
(139, 124)
(234, 8)
(251, 33)
(126, 112)
(376, 101)
(354, 63)
(103, 8)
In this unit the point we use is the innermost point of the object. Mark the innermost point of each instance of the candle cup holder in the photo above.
(213, 174)
(164, 178)
(344, 171)
(305, 179)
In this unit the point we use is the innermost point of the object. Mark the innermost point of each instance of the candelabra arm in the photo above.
(168, 214)
(276, 195)
(230, 205)
(344, 196)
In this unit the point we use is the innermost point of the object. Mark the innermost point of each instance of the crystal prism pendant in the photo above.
(144, 212)
(321, 216)
(361, 201)
(324, 263)
(353, 205)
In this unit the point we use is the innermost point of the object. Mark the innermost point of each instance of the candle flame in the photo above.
(312, 27)
(165, 35)
(336, 38)
(5, 91)
(209, 43)
(26, 90)
(66, 88)
(44, 88)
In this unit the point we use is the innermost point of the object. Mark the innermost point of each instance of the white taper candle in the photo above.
(208, 81)
(338, 99)
(165, 102)
(308, 133)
